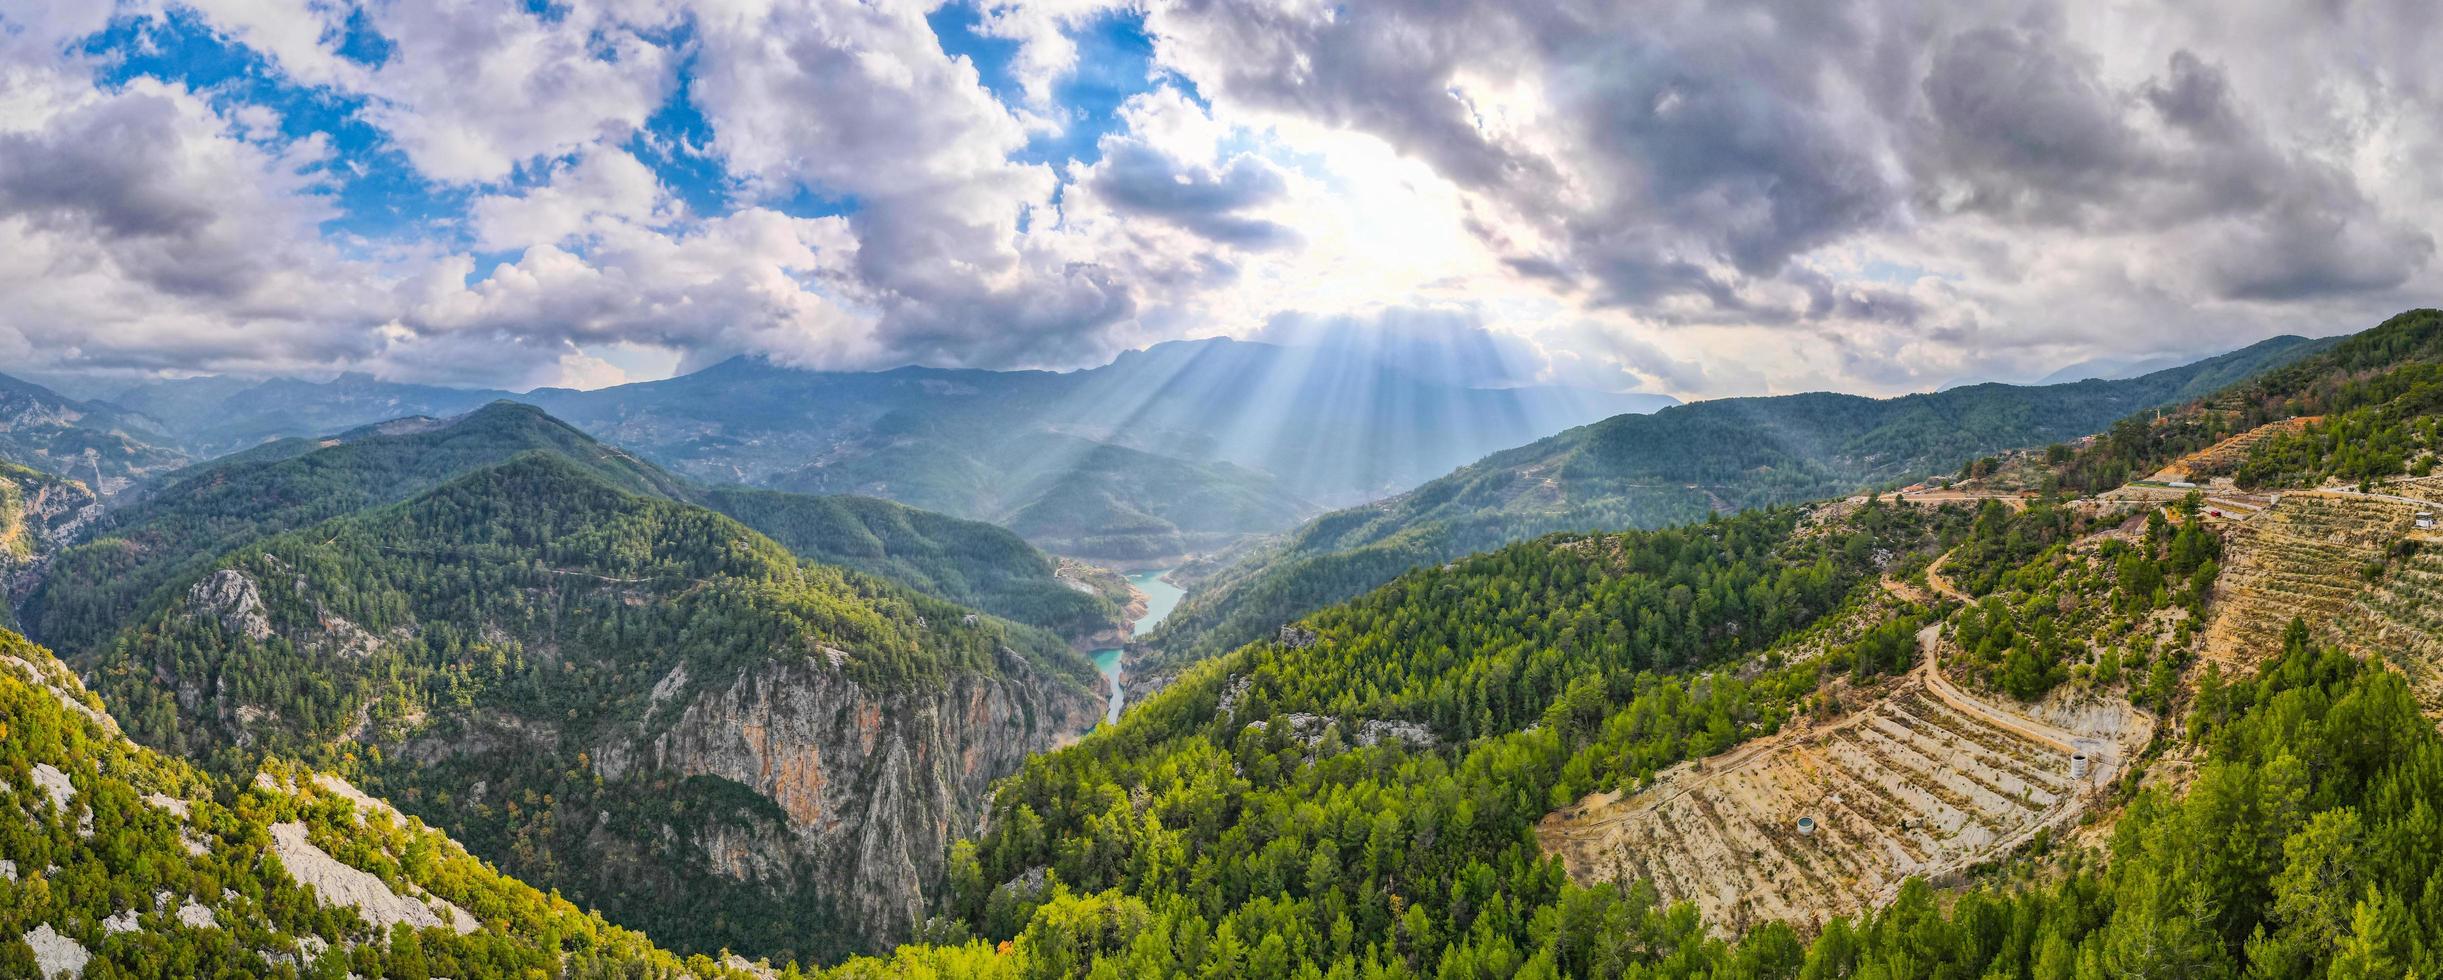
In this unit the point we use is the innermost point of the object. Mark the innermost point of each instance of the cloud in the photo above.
(1139, 179)
(138, 229)
(605, 185)
(1707, 197)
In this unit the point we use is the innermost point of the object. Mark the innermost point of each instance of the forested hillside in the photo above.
(636, 701)
(131, 563)
(1364, 800)
(2303, 847)
(39, 514)
(2366, 395)
(96, 587)
(121, 862)
(971, 563)
(1673, 466)
(1354, 798)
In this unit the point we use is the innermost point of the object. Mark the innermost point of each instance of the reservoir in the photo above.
(1160, 598)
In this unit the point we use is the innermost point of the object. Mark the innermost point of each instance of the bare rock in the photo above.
(56, 955)
(231, 598)
(339, 884)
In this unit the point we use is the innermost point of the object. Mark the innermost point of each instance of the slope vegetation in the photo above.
(1672, 466)
(121, 862)
(39, 514)
(122, 569)
(634, 700)
(971, 563)
(137, 560)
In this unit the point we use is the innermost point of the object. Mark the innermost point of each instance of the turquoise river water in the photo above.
(1160, 598)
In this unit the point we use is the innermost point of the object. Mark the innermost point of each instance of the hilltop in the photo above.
(1672, 466)
(634, 700)
(121, 566)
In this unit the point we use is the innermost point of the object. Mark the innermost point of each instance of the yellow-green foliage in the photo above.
(111, 851)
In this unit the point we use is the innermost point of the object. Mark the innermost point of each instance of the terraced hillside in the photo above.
(2222, 457)
(2307, 557)
(1926, 781)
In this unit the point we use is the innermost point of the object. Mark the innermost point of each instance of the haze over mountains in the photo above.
(1187, 447)
(1672, 466)
(811, 727)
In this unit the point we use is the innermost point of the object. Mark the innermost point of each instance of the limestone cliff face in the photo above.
(39, 514)
(869, 786)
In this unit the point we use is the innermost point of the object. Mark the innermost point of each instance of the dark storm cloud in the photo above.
(1139, 179)
(2017, 127)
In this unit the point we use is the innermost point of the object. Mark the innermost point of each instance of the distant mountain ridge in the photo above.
(216, 416)
(1184, 447)
(125, 562)
(107, 447)
(1672, 466)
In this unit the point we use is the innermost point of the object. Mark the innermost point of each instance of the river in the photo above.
(1160, 598)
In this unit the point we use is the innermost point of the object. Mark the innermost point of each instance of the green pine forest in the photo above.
(1361, 805)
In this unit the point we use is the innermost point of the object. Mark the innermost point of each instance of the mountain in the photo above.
(39, 515)
(970, 563)
(121, 566)
(633, 700)
(2359, 409)
(2112, 368)
(108, 448)
(126, 560)
(1332, 422)
(123, 862)
(2151, 731)
(1184, 447)
(1089, 462)
(215, 416)
(1672, 466)
(1068, 495)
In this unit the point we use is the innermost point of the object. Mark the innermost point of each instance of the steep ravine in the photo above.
(785, 810)
(869, 787)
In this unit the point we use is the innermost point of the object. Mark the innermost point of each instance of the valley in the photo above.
(1220, 490)
(846, 735)
(1160, 598)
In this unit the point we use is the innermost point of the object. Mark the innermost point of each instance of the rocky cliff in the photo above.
(637, 702)
(39, 514)
(868, 787)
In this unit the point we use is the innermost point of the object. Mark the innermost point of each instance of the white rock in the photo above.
(55, 783)
(122, 922)
(340, 884)
(195, 916)
(170, 803)
(55, 954)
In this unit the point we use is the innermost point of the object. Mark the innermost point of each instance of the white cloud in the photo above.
(1708, 197)
(604, 186)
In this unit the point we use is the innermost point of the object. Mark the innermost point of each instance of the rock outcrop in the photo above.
(39, 514)
(229, 597)
(870, 786)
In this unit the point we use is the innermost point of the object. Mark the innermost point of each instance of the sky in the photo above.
(1694, 197)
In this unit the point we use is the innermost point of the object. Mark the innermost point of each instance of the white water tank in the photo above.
(2078, 765)
(1806, 826)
